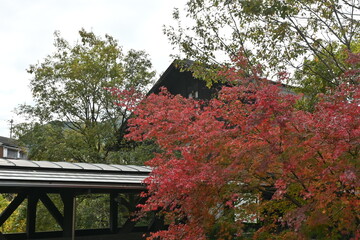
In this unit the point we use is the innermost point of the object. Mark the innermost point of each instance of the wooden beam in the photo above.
(53, 210)
(130, 223)
(2, 237)
(113, 213)
(156, 224)
(31, 214)
(126, 203)
(12, 207)
(68, 227)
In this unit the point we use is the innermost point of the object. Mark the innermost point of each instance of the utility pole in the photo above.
(11, 127)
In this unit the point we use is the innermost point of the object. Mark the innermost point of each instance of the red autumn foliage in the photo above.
(126, 99)
(251, 155)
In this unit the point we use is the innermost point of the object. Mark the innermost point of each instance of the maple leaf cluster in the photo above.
(250, 159)
(126, 99)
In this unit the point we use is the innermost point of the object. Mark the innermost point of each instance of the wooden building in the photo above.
(177, 81)
(181, 82)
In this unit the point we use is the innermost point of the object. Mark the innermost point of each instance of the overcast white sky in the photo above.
(27, 27)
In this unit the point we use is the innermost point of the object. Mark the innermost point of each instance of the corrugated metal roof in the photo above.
(27, 173)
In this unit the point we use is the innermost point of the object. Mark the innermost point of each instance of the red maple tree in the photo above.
(250, 157)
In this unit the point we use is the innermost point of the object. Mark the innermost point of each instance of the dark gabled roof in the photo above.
(163, 76)
(26, 173)
(180, 81)
(8, 142)
(175, 76)
(173, 66)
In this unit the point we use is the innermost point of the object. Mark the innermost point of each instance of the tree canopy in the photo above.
(74, 116)
(251, 158)
(280, 35)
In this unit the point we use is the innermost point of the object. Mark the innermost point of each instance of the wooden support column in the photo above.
(113, 212)
(12, 207)
(31, 214)
(69, 214)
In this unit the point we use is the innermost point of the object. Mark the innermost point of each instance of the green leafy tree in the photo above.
(17, 221)
(313, 73)
(98, 217)
(278, 34)
(74, 117)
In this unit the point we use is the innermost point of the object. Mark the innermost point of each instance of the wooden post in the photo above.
(31, 214)
(69, 209)
(113, 212)
(73, 219)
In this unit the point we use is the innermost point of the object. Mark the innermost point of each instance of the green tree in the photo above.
(74, 117)
(17, 221)
(313, 73)
(278, 34)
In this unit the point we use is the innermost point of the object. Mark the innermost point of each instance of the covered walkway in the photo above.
(33, 181)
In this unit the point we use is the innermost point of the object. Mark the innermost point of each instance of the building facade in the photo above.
(10, 149)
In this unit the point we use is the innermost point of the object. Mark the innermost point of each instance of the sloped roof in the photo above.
(163, 77)
(168, 77)
(8, 142)
(27, 173)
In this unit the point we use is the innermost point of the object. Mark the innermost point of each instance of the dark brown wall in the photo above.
(184, 83)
